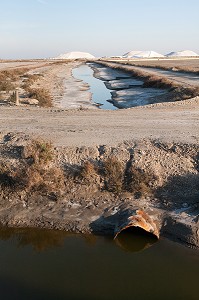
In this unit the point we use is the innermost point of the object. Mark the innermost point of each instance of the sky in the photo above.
(47, 28)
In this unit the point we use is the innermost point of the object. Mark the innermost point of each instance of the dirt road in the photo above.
(170, 121)
(180, 77)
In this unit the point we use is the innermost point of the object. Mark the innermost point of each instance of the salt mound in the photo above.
(142, 54)
(182, 53)
(74, 55)
(148, 54)
(131, 54)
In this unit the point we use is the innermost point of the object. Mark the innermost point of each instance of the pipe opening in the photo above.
(134, 239)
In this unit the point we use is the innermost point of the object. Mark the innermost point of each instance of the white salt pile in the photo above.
(148, 54)
(131, 54)
(142, 54)
(186, 53)
(74, 55)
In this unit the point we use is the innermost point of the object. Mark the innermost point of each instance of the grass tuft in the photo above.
(114, 174)
(42, 95)
(140, 182)
(88, 172)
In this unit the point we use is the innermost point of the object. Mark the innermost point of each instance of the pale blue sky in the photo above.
(46, 28)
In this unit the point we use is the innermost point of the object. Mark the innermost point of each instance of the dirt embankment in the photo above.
(177, 90)
(90, 189)
(176, 65)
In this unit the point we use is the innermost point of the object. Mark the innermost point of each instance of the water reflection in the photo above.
(131, 240)
(100, 94)
(39, 239)
(135, 239)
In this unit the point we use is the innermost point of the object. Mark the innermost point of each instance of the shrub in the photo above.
(6, 85)
(114, 174)
(29, 80)
(7, 177)
(88, 172)
(9, 77)
(39, 151)
(139, 182)
(42, 95)
(34, 171)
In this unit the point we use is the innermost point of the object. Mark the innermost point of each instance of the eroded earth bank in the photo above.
(101, 189)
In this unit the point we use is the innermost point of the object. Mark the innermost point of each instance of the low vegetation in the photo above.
(29, 80)
(34, 170)
(117, 178)
(114, 174)
(19, 77)
(42, 95)
(6, 83)
(139, 181)
(88, 172)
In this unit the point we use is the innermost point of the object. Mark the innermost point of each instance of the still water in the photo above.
(46, 265)
(100, 94)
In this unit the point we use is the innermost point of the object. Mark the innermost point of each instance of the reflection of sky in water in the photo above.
(78, 267)
(100, 94)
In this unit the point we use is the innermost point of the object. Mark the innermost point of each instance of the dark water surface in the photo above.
(43, 264)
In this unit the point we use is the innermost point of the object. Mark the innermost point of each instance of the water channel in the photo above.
(113, 89)
(53, 265)
(100, 94)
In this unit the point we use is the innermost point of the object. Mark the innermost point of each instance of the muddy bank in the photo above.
(97, 189)
(67, 92)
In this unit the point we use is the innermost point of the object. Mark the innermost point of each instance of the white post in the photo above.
(17, 97)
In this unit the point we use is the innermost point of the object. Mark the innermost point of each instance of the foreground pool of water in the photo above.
(42, 264)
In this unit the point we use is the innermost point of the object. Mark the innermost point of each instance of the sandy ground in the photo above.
(24, 64)
(184, 64)
(170, 121)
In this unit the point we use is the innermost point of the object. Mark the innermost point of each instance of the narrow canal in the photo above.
(112, 89)
(100, 94)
